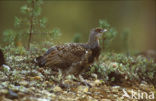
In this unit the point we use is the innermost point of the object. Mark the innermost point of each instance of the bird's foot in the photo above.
(64, 86)
(83, 81)
(86, 84)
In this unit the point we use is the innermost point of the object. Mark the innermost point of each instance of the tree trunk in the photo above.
(31, 26)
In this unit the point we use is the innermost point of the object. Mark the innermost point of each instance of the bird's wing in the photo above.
(64, 55)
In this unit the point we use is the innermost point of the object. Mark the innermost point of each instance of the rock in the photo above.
(115, 89)
(68, 82)
(42, 99)
(48, 83)
(31, 89)
(115, 95)
(41, 70)
(82, 89)
(23, 83)
(53, 96)
(57, 89)
(120, 99)
(70, 77)
(46, 93)
(94, 75)
(144, 84)
(3, 98)
(89, 98)
(4, 91)
(12, 95)
(35, 78)
(97, 82)
(6, 68)
(106, 100)
(5, 84)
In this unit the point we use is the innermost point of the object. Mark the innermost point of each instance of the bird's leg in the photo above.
(79, 70)
(60, 74)
(62, 83)
(78, 67)
(73, 68)
(61, 78)
(58, 77)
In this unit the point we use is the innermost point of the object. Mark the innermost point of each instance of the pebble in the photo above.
(23, 83)
(97, 82)
(82, 89)
(57, 89)
(115, 89)
(4, 91)
(94, 75)
(12, 95)
(105, 100)
(35, 78)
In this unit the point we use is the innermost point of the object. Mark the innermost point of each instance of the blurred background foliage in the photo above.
(133, 22)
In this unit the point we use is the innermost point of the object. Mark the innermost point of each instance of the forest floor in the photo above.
(27, 82)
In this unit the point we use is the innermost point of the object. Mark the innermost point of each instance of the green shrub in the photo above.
(107, 36)
(129, 67)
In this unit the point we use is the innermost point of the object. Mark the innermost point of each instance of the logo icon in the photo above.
(140, 95)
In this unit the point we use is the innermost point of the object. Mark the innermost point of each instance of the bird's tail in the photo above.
(2, 60)
(39, 61)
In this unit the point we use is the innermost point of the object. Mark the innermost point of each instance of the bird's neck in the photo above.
(95, 48)
(93, 44)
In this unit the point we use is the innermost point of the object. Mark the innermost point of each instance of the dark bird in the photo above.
(73, 58)
(2, 61)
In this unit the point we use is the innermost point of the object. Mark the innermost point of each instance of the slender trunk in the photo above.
(31, 25)
(30, 35)
(103, 43)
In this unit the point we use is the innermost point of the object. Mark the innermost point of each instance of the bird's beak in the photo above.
(102, 31)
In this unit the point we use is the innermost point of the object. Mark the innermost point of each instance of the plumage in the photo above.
(2, 60)
(73, 58)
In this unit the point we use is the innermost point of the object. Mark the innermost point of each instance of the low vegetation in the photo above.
(108, 76)
(112, 72)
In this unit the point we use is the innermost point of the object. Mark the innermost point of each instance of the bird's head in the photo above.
(96, 33)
